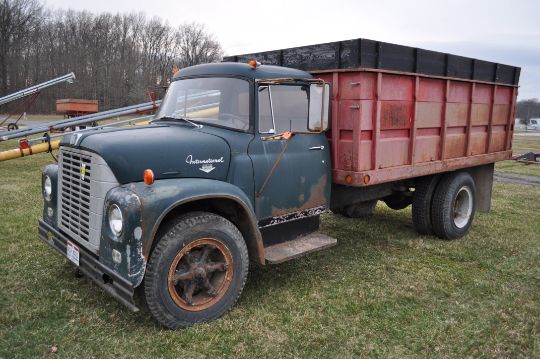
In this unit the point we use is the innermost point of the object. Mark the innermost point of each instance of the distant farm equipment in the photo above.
(528, 158)
(29, 94)
(76, 107)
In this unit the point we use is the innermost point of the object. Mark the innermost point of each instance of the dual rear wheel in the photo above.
(444, 205)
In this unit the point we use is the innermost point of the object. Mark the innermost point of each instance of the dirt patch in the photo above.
(517, 179)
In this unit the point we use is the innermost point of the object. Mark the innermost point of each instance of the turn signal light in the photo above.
(366, 179)
(253, 63)
(148, 177)
(348, 179)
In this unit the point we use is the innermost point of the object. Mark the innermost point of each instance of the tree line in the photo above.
(117, 58)
(527, 110)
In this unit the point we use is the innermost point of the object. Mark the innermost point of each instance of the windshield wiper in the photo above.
(199, 126)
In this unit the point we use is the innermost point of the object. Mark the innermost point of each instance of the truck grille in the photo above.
(84, 180)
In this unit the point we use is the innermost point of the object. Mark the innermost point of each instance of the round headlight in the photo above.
(47, 188)
(116, 222)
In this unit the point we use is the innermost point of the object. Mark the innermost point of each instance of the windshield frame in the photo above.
(251, 85)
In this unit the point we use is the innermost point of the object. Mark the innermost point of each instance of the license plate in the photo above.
(73, 252)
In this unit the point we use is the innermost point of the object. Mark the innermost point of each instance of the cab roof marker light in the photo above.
(253, 63)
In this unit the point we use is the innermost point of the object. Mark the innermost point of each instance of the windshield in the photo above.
(216, 101)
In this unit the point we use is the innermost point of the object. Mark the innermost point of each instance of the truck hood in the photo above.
(169, 150)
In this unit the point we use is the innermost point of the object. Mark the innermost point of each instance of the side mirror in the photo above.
(319, 106)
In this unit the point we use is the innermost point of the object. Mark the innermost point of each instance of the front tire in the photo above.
(197, 271)
(453, 206)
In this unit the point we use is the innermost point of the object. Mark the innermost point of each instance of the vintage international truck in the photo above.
(243, 156)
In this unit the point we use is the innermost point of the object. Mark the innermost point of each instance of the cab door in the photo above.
(291, 172)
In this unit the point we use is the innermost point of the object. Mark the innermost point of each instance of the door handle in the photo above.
(321, 147)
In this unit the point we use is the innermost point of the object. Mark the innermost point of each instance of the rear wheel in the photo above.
(12, 127)
(453, 206)
(357, 210)
(421, 204)
(197, 271)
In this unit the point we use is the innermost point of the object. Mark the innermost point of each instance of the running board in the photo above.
(288, 250)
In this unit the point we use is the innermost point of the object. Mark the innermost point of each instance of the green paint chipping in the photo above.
(383, 291)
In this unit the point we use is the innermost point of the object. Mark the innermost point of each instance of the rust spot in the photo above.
(316, 198)
(395, 116)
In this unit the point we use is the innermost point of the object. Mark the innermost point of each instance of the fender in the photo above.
(163, 196)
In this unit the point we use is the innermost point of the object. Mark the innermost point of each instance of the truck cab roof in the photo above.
(243, 70)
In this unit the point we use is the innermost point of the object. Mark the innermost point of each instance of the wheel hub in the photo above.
(200, 274)
(463, 206)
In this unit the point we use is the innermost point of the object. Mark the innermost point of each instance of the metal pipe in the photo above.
(34, 149)
(80, 120)
(53, 136)
(43, 142)
(36, 88)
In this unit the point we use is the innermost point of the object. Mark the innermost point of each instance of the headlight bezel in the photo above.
(115, 218)
(47, 188)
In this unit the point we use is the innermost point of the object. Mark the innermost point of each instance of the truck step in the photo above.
(288, 250)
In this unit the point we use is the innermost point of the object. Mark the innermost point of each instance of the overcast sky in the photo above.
(502, 31)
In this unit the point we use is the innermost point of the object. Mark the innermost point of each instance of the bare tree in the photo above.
(527, 109)
(197, 46)
(117, 58)
(18, 19)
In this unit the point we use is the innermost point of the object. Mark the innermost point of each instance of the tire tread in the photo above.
(151, 284)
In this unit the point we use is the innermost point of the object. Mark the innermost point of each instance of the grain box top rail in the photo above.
(364, 53)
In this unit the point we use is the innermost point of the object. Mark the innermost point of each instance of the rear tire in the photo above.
(421, 204)
(453, 206)
(197, 271)
(358, 210)
(12, 127)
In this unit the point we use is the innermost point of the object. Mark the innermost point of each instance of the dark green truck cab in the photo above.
(234, 168)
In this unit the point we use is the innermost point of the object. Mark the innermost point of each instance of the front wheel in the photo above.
(197, 271)
(453, 205)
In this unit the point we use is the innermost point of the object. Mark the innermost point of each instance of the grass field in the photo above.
(383, 291)
(520, 145)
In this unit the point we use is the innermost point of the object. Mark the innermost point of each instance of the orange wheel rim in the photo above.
(200, 274)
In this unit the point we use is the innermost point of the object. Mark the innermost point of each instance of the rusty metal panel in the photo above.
(357, 85)
(455, 144)
(500, 114)
(478, 140)
(498, 138)
(480, 114)
(459, 92)
(503, 95)
(397, 87)
(390, 126)
(429, 114)
(396, 114)
(394, 152)
(483, 94)
(431, 90)
(456, 114)
(427, 148)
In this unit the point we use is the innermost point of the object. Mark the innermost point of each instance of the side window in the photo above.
(265, 113)
(290, 108)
